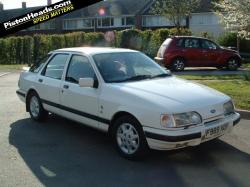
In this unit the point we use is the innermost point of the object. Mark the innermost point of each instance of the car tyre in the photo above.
(178, 64)
(129, 138)
(233, 64)
(36, 109)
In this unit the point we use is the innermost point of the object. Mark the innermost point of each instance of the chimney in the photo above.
(1, 6)
(49, 2)
(24, 6)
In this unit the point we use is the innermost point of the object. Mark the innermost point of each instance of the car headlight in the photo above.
(228, 108)
(180, 120)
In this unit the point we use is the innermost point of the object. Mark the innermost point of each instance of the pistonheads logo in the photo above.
(213, 111)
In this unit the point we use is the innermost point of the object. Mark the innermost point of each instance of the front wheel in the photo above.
(232, 64)
(36, 110)
(178, 64)
(129, 138)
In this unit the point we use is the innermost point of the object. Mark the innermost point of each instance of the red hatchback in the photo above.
(179, 52)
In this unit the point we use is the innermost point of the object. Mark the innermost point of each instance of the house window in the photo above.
(44, 26)
(78, 24)
(106, 22)
(128, 21)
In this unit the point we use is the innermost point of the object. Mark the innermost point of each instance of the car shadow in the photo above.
(63, 153)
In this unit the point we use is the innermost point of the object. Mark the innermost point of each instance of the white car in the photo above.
(127, 94)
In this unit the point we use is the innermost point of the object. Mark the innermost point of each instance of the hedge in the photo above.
(230, 40)
(30, 49)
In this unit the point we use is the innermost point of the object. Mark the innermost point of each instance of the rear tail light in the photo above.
(161, 51)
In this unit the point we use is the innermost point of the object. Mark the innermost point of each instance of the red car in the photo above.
(179, 52)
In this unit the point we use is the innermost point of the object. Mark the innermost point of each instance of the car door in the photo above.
(49, 82)
(80, 104)
(210, 52)
(192, 52)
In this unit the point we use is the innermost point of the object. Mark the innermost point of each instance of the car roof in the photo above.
(196, 37)
(94, 50)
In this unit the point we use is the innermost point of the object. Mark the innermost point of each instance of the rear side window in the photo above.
(56, 66)
(191, 43)
(163, 47)
(79, 67)
(179, 42)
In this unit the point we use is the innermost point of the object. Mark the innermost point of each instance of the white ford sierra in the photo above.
(127, 94)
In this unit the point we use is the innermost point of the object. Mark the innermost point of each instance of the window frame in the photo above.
(68, 66)
(199, 42)
(204, 40)
(50, 59)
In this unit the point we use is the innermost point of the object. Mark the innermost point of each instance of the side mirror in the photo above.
(86, 82)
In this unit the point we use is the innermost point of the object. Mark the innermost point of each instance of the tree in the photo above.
(236, 16)
(175, 11)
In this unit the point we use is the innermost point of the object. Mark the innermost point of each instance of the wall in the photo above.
(206, 22)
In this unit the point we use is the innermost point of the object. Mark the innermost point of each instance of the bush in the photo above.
(131, 38)
(230, 40)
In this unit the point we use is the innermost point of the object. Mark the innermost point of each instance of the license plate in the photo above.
(216, 131)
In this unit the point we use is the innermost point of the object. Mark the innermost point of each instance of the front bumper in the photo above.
(160, 139)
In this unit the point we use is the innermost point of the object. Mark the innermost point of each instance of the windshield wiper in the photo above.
(161, 75)
(135, 78)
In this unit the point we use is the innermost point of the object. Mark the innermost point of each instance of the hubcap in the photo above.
(232, 64)
(179, 65)
(34, 106)
(127, 138)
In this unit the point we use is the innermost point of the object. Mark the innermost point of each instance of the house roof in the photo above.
(111, 8)
(205, 6)
(13, 13)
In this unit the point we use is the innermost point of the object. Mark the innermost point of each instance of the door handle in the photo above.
(40, 80)
(66, 86)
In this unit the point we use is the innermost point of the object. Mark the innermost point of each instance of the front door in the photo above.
(210, 52)
(80, 104)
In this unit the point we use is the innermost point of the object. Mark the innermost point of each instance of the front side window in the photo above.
(39, 65)
(127, 66)
(191, 43)
(208, 45)
(56, 66)
(79, 67)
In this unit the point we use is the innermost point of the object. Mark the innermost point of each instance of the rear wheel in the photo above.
(178, 64)
(232, 64)
(129, 138)
(36, 110)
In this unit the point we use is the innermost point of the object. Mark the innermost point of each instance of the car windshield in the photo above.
(127, 66)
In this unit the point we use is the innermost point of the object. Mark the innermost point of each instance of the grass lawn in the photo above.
(239, 90)
(233, 85)
(246, 65)
(211, 77)
(12, 67)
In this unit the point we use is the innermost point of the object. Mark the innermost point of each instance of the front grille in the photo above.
(213, 120)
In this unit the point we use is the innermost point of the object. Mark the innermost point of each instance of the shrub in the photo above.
(131, 38)
(230, 40)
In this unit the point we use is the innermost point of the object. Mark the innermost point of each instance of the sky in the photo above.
(11, 4)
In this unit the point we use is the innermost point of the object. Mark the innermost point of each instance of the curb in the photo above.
(245, 114)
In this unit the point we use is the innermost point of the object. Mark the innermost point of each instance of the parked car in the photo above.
(179, 52)
(125, 93)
